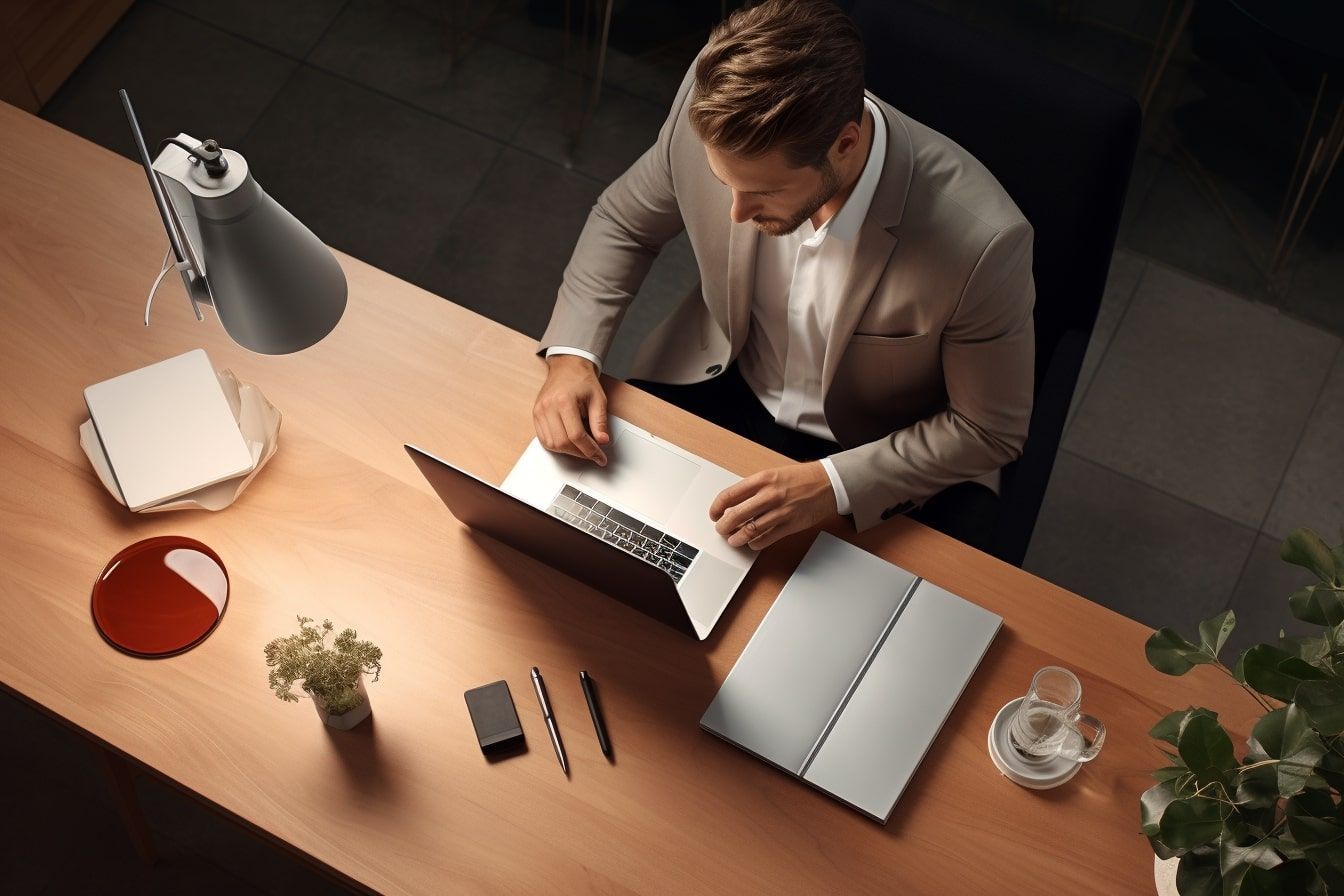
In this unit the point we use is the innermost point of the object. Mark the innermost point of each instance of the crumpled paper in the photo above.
(259, 422)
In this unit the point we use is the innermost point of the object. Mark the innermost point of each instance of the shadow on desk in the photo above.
(633, 658)
(362, 765)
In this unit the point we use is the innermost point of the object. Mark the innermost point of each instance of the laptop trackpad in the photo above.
(643, 476)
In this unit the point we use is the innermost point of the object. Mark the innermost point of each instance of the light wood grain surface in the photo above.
(341, 525)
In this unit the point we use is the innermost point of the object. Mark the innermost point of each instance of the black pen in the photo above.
(550, 719)
(588, 695)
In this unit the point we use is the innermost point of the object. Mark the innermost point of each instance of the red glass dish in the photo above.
(160, 596)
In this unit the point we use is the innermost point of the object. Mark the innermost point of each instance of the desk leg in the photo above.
(121, 780)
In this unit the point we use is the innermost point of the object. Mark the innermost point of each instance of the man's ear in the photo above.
(847, 140)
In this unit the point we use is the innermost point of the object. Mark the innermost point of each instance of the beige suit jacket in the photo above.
(927, 373)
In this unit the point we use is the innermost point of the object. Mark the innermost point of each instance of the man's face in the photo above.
(769, 192)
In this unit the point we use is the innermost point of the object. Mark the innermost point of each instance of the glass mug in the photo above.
(1048, 724)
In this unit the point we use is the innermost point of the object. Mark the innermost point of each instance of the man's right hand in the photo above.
(570, 413)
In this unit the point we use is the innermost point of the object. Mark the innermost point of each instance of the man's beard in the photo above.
(830, 185)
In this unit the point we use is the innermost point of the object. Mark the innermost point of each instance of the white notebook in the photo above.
(167, 430)
(851, 675)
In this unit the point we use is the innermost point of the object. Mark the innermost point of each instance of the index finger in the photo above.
(733, 495)
(574, 429)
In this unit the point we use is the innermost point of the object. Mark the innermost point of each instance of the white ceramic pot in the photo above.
(1164, 876)
(346, 720)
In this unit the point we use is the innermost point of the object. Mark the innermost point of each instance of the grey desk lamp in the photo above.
(274, 285)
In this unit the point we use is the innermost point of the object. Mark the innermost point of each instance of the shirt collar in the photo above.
(844, 224)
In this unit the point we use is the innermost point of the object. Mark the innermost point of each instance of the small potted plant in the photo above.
(1271, 822)
(332, 676)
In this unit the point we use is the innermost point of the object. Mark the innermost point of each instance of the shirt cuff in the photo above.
(568, 350)
(841, 496)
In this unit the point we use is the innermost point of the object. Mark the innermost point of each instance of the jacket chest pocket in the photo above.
(889, 341)
(892, 368)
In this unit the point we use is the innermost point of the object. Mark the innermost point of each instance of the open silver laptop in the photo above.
(650, 501)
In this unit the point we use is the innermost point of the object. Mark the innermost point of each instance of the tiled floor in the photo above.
(1206, 423)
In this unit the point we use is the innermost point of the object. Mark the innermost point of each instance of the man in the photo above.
(866, 296)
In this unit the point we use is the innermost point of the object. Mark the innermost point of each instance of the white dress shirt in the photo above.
(799, 279)
(799, 282)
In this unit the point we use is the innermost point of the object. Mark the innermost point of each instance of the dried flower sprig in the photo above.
(330, 674)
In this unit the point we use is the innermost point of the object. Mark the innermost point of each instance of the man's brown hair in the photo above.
(786, 75)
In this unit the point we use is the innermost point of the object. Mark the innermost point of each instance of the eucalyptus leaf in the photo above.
(1267, 736)
(1213, 632)
(1190, 821)
(1314, 822)
(1169, 726)
(1331, 877)
(1206, 749)
(1170, 773)
(1300, 752)
(1318, 604)
(1259, 854)
(1171, 654)
(1309, 648)
(1276, 673)
(1331, 770)
(1258, 788)
(1286, 846)
(1305, 548)
(1323, 702)
(1162, 851)
(1153, 804)
(1199, 876)
(1248, 880)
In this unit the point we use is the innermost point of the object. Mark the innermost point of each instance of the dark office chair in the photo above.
(1062, 145)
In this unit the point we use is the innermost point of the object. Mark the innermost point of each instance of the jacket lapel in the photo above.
(736, 318)
(877, 239)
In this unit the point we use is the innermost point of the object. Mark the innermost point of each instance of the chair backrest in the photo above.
(1061, 143)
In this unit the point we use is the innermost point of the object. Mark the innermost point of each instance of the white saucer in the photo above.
(1037, 774)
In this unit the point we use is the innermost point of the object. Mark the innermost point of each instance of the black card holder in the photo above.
(494, 717)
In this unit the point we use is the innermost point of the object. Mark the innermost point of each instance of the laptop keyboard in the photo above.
(654, 547)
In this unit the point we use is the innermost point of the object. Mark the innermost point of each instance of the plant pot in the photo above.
(346, 720)
(1164, 876)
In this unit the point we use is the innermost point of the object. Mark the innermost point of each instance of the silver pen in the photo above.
(550, 719)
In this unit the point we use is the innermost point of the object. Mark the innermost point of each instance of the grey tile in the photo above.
(504, 254)
(1202, 395)
(616, 134)
(540, 35)
(409, 53)
(140, 53)
(1312, 493)
(1315, 291)
(1126, 271)
(1134, 549)
(656, 76)
(1178, 225)
(368, 174)
(291, 27)
(1261, 599)
(651, 73)
(1147, 164)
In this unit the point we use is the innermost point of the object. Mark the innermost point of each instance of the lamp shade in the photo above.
(274, 285)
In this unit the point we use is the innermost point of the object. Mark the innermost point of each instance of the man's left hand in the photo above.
(774, 503)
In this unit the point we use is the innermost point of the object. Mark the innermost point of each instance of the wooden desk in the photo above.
(341, 525)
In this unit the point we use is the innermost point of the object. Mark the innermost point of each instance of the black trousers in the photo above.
(967, 511)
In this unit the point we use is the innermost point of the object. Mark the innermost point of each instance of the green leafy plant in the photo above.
(330, 674)
(1271, 822)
